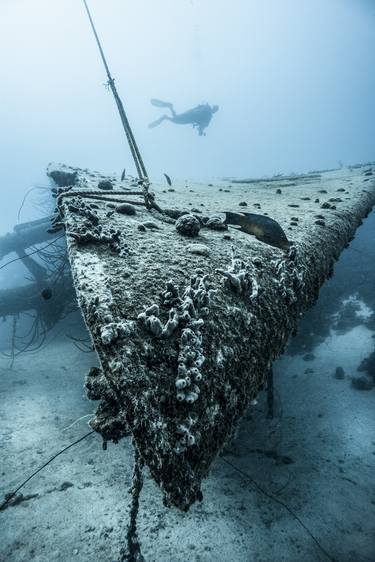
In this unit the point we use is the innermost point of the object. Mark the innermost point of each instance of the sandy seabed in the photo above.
(317, 456)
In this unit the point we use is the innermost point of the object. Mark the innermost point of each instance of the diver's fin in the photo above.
(160, 103)
(157, 122)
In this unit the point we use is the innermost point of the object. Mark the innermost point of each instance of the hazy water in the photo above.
(294, 81)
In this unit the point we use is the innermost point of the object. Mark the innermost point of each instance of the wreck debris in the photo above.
(50, 282)
(26, 235)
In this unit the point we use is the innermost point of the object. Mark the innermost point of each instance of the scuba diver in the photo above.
(200, 116)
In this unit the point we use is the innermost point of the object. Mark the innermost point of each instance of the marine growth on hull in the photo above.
(187, 312)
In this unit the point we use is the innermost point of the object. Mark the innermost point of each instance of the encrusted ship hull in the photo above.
(186, 327)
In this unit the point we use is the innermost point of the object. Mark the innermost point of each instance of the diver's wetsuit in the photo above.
(200, 116)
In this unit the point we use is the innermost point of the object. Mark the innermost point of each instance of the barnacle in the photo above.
(181, 383)
(154, 325)
(190, 439)
(290, 277)
(241, 277)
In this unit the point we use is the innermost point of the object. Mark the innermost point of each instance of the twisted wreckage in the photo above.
(187, 315)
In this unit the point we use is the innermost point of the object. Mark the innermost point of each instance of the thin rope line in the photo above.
(31, 253)
(11, 495)
(277, 500)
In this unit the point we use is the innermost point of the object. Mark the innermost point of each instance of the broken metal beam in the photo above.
(26, 235)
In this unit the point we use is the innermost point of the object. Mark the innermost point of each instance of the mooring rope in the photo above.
(132, 551)
(144, 181)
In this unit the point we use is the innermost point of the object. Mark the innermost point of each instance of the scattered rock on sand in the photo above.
(368, 365)
(151, 225)
(105, 185)
(174, 213)
(216, 223)
(362, 383)
(339, 373)
(188, 225)
(199, 249)
(64, 486)
(126, 209)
